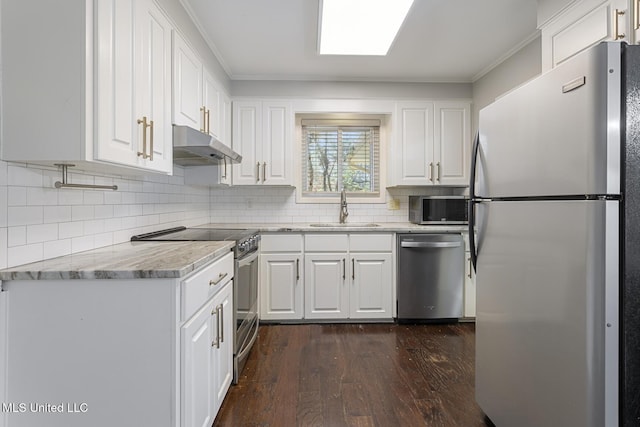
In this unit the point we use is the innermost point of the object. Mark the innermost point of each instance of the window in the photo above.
(340, 154)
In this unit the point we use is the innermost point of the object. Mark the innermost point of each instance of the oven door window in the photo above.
(246, 298)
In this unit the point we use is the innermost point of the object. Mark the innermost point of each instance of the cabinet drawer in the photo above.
(201, 286)
(281, 242)
(326, 242)
(370, 242)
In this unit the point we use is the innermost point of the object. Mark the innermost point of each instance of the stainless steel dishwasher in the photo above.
(430, 276)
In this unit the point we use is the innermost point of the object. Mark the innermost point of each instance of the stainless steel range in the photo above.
(245, 283)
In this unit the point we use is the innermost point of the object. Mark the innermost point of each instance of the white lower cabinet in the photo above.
(206, 369)
(325, 282)
(371, 293)
(326, 276)
(281, 281)
(127, 352)
(281, 276)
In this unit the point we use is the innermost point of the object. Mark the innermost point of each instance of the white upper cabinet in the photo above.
(452, 145)
(105, 98)
(198, 97)
(585, 24)
(187, 85)
(432, 143)
(414, 140)
(263, 134)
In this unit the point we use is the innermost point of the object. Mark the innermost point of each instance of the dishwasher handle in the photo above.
(430, 244)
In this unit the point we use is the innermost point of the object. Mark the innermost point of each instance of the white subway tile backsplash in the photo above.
(82, 213)
(23, 176)
(42, 196)
(42, 233)
(57, 248)
(70, 229)
(68, 196)
(17, 236)
(57, 214)
(25, 254)
(16, 196)
(38, 221)
(24, 215)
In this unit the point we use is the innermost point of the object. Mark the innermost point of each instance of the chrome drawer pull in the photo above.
(221, 276)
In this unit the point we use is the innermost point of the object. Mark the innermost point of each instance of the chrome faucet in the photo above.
(344, 213)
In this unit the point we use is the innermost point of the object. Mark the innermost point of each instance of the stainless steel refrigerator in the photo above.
(555, 207)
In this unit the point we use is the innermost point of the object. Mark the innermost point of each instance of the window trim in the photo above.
(353, 198)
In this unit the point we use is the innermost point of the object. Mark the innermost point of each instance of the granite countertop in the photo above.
(131, 260)
(146, 260)
(387, 227)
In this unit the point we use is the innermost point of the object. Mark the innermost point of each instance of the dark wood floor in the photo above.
(357, 375)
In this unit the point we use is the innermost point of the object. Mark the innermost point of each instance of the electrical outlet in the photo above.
(393, 204)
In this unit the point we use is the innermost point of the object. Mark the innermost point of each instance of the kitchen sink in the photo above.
(345, 225)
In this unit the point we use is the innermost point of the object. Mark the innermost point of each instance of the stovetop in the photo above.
(246, 239)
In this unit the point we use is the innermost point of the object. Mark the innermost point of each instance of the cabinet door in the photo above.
(277, 157)
(582, 26)
(326, 294)
(414, 151)
(222, 354)
(154, 86)
(117, 132)
(196, 372)
(187, 85)
(280, 287)
(452, 142)
(225, 119)
(371, 286)
(211, 103)
(247, 140)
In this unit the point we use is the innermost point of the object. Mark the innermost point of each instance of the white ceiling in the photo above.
(440, 40)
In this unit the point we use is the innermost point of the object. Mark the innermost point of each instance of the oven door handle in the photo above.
(248, 259)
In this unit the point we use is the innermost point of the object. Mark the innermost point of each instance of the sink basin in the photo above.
(328, 225)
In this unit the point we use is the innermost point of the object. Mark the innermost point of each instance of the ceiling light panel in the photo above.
(360, 27)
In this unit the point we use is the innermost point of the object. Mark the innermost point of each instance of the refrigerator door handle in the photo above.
(472, 201)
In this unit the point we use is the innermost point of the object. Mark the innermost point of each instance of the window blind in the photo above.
(339, 153)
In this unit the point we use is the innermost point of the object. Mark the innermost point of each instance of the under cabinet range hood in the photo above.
(194, 148)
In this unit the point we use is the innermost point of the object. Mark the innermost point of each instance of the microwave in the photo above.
(438, 210)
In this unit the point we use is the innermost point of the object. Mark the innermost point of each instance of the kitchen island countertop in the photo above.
(130, 260)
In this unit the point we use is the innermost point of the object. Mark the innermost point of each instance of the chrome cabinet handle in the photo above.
(617, 13)
(225, 168)
(258, 173)
(353, 269)
(439, 171)
(150, 156)
(431, 172)
(221, 277)
(297, 269)
(470, 267)
(636, 15)
(207, 114)
(203, 128)
(264, 171)
(344, 269)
